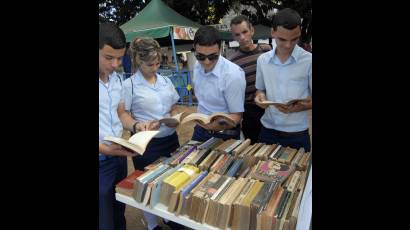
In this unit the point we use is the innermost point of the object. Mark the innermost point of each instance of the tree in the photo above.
(262, 7)
(206, 12)
(119, 11)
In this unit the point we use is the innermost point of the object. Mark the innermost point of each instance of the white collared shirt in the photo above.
(220, 90)
(148, 102)
(282, 83)
(110, 95)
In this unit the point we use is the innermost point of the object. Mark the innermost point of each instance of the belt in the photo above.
(289, 134)
(232, 132)
(226, 132)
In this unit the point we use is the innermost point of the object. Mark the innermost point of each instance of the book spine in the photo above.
(275, 152)
(233, 146)
(192, 148)
(206, 143)
(235, 167)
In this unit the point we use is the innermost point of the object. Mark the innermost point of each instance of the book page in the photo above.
(141, 140)
(200, 117)
(270, 103)
(123, 143)
(282, 103)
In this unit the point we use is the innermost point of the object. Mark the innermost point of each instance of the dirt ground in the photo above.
(134, 216)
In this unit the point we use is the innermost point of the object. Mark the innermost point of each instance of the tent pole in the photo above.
(173, 48)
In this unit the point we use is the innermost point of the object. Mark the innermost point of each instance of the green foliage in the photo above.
(208, 12)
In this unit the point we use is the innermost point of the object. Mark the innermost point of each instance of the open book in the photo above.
(137, 142)
(293, 101)
(174, 120)
(206, 119)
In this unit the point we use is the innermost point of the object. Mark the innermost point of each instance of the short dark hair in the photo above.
(287, 18)
(112, 35)
(207, 36)
(239, 19)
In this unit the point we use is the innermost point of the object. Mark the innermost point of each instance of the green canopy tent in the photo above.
(157, 20)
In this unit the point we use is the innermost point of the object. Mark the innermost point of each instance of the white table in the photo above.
(161, 210)
(304, 218)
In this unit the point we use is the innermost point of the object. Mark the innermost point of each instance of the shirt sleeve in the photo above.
(259, 82)
(175, 95)
(127, 94)
(235, 91)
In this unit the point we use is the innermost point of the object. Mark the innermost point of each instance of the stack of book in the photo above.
(141, 183)
(172, 184)
(226, 184)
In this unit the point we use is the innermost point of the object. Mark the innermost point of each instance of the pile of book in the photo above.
(228, 184)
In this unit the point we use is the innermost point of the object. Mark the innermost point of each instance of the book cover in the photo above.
(126, 186)
(271, 171)
(156, 190)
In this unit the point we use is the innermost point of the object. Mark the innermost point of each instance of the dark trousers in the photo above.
(201, 134)
(251, 123)
(156, 148)
(111, 212)
(271, 136)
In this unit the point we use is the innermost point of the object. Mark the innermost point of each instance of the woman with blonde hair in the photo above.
(150, 97)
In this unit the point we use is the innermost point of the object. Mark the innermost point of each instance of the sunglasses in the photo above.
(202, 57)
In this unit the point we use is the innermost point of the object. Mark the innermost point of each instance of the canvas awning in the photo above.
(157, 20)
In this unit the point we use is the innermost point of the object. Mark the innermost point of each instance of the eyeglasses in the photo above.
(202, 57)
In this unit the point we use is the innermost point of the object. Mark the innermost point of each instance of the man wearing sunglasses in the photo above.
(284, 74)
(219, 86)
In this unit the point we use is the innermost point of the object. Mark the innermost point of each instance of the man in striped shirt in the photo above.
(245, 56)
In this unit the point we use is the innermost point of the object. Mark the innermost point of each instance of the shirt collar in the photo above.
(113, 74)
(217, 70)
(295, 55)
(139, 79)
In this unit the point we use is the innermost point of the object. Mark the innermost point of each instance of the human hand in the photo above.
(259, 98)
(143, 126)
(154, 125)
(282, 107)
(298, 106)
(219, 124)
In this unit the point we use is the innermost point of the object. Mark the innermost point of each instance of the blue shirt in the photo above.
(110, 95)
(220, 90)
(284, 82)
(148, 102)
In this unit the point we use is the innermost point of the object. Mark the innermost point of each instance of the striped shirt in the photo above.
(247, 61)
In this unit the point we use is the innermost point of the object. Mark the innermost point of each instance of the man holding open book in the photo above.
(282, 75)
(219, 86)
(112, 157)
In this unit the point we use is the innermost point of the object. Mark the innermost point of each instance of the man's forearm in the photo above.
(308, 104)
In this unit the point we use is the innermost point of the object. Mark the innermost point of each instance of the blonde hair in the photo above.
(144, 50)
